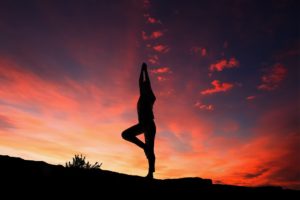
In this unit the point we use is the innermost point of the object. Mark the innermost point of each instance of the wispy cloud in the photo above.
(250, 98)
(199, 51)
(224, 64)
(161, 70)
(161, 78)
(161, 48)
(156, 34)
(153, 59)
(255, 174)
(202, 106)
(273, 77)
(217, 87)
(152, 36)
(161, 73)
(151, 20)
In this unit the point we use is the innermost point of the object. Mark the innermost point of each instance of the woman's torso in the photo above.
(145, 108)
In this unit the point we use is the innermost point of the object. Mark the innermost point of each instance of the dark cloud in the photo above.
(256, 174)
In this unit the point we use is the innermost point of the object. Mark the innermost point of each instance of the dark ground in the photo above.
(27, 178)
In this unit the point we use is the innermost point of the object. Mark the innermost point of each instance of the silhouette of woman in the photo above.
(146, 123)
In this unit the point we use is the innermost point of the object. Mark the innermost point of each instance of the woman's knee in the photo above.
(125, 135)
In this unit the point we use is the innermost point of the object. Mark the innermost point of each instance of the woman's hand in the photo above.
(144, 66)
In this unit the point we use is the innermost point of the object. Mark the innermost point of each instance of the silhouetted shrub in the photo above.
(79, 162)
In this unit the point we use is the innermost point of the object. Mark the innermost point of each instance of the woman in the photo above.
(146, 123)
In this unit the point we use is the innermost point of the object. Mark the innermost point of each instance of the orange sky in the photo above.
(68, 88)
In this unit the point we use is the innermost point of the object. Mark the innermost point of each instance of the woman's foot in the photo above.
(149, 175)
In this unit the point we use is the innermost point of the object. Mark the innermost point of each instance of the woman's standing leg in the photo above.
(150, 131)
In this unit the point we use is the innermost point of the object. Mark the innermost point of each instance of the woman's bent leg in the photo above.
(131, 133)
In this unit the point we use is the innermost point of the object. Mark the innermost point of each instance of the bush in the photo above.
(79, 162)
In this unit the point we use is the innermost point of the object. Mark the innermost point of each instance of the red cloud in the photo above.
(161, 70)
(218, 87)
(152, 20)
(161, 48)
(250, 97)
(222, 64)
(271, 80)
(161, 78)
(202, 106)
(154, 35)
(200, 50)
(153, 59)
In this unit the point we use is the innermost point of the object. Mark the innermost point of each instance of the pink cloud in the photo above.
(202, 106)
(153, 20)
(153, 59)
(161, 78)
(273, 77)
(218, 87)
(161, 70)
(152, 36)
(223, 64)
(199, 50)
(156, 34)
(203, 52)
(161, 48)
(161, 73)
(251, 97)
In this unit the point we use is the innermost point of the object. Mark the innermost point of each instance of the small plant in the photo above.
(79, 162)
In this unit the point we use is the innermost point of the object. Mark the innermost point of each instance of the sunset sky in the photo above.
(225, 74)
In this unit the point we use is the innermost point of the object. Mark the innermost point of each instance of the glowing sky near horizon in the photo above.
(225, 74)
